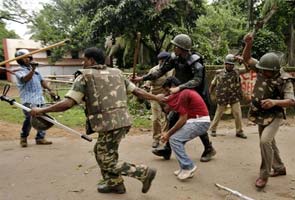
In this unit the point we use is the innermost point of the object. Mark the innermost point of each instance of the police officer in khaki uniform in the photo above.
(273, 90)
(228, 92)
(158, 116)
(103, 90)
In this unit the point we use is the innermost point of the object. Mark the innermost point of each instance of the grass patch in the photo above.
(141, 122)
(10, 113)
(75, 116)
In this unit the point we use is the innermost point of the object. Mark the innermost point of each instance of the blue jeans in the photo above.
(27, 126)
(186, 133)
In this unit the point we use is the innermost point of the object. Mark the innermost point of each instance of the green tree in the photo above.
(266, 41)
(59, 20)
(282, 25)
(125, 18)
(88, 22)
(12, 11)
(219, 32)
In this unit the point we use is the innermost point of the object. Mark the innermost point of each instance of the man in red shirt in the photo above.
(193, 121)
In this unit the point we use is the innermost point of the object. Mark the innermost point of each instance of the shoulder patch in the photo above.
(193, 58)
(286, 75)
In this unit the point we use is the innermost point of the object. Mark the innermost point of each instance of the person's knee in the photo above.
(173, 141)
(264, 141)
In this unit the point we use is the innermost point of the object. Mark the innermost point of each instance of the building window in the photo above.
(48, 53)
(75, 54)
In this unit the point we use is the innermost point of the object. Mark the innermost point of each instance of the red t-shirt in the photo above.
(188, 102)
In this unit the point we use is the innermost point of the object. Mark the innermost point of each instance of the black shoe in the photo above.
(155, 144)
(241, 135)
(166, 153)
(213, 133)
(208, 154)
(146, 184)
(23, 142)
(117, 189)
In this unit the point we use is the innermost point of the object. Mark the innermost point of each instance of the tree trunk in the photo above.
(250, 17)
(291, 57)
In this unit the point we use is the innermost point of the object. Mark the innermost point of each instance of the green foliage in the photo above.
(12, 11)
(88, 22)
(58, 21)
(140, 114)
(126, 18)
(218, 31)
(10, 113)
(267, 41)
(75, 116)
(274, 36)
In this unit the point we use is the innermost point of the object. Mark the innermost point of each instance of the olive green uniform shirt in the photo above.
(77, 92)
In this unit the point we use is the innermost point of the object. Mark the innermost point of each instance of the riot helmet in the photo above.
(229, 59)
(41, 124)
(182, 41)
(269, 62)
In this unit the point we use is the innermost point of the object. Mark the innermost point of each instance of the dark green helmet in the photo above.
(182, 41)
(41, 124)
(270, 62)
(229, 59)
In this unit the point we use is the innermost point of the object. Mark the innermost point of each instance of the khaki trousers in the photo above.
(158, 119)
(236, 111)
(270, 155)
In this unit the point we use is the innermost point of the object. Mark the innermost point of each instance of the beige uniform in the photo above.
(158, 117)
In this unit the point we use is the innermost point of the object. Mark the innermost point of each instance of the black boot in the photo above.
(163, 151)
(209, 151)
(146, 184)
(166, 150)
(117, 189)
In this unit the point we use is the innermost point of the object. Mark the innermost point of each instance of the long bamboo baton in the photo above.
(234, 192)
(36, 51)
(53, 121)
(260, 23)
(8, 70)
(135, 58)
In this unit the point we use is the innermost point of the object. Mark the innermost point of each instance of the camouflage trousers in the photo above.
(106, 154)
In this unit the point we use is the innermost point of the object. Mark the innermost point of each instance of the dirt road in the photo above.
(67, 169)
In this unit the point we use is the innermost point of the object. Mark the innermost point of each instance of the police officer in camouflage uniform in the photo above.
(273, 90)
(103, 90)
(189, 69)
(228, 91)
